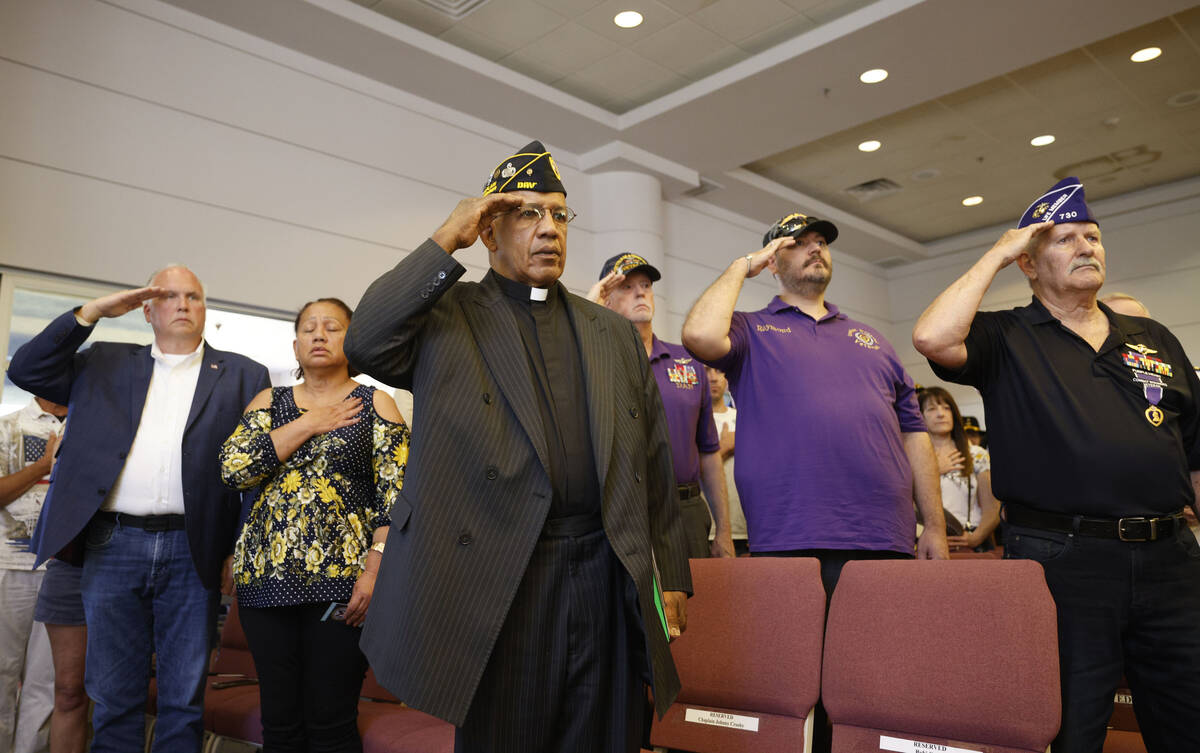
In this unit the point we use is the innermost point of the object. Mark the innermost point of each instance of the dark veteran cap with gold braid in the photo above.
(628, 262)
(530, 169)
(797, 224)
(1062, 203)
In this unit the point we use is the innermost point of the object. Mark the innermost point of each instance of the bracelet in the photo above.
(377, 547)
(748, 257)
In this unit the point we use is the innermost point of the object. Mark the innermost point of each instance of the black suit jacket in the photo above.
(105, 389)
(477, 486)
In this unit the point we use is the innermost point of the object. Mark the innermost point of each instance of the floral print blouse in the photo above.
(306, 537)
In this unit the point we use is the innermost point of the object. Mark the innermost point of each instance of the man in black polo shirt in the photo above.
(1094, 432)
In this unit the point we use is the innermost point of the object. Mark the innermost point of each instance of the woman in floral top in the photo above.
(329, 455)
(965, 472)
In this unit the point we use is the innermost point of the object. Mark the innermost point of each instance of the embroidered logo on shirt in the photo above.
(773, 328)
(864, 338)
(682, 375)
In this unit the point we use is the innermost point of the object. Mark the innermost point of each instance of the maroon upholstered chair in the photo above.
(231, 708)
(750, 660)
(387, 726)
(962, 654)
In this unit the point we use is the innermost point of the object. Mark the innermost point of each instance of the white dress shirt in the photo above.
(151, 483)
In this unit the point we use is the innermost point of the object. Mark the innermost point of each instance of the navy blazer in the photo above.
(104, 387)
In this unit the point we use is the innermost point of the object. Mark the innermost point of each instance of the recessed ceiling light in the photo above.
(873, 76)
(971, 201)
(627, 19)
(869, 146)
(1145, 54)
(1042, 140)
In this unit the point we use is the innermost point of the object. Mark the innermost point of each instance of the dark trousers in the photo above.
(696, 523)
(832, 562)
(568, 670)
(1131, 607)
(310, 674)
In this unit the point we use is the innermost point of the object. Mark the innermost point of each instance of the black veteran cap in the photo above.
(629, 262)
(1062, 203)
(530, 169)
(970, 423)
(796, 224)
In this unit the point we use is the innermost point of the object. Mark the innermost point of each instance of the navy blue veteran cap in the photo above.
(530, 169)
(796, 224)
(629, 262)
(1063, 203)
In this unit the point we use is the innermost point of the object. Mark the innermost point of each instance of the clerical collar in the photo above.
(519, 291)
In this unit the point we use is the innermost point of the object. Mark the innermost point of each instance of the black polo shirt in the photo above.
(1074, 431)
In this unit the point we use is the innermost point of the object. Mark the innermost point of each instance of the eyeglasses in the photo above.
(531, 214)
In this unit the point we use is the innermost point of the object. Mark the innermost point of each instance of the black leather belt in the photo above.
(687, 491)
(151, 523)
(572, 526)
(1137, 528)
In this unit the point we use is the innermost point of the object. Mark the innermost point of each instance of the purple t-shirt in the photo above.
(683, 384)
(821, 406)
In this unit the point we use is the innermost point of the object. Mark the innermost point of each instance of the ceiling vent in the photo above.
(455, 9)
(892, 262)
(706, 186)
(873, 189)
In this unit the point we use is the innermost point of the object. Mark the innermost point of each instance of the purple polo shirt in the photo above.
(683, 384)
(821, 406)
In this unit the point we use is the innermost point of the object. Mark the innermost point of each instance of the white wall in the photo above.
(135, 134)
(1153, 253)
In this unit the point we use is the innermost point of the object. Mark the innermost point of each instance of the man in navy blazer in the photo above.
(136, 495)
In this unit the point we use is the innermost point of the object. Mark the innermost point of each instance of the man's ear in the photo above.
(488, 236)
(1025, 262)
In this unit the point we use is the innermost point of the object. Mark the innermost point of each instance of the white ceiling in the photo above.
(699, 94)
(574, 45)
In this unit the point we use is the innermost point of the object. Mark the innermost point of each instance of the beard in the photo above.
(806, 278)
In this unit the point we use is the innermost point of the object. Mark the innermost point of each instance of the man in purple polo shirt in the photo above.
(833, 444)
(626, 286)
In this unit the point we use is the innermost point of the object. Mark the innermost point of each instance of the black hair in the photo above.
(349, 312)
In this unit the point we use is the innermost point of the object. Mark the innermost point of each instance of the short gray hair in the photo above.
(160, 270)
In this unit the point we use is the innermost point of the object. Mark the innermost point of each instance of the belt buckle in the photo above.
(1153, 528)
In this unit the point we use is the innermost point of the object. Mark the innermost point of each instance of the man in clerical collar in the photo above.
(1094, 434)
(537, 566)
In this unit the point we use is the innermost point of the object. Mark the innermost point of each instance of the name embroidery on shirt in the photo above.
(864, 338)
(682, 375)
(773, 328)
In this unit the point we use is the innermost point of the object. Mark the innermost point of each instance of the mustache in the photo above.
(1081, 263)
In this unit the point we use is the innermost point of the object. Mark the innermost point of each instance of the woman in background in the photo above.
(330, 456)
(965, 472)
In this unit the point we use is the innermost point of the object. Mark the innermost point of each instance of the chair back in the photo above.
(962, 654)
(233, 652)
(750, 659)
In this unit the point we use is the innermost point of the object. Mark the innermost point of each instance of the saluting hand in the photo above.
(599, 292)
(1017, 241)
(118, 304)
(761, 259)
(46, 461)
(462, 228)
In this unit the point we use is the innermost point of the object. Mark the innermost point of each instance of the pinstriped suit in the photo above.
(477, 489)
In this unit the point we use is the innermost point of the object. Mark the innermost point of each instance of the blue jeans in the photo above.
(142, 596)
(1123, 606)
